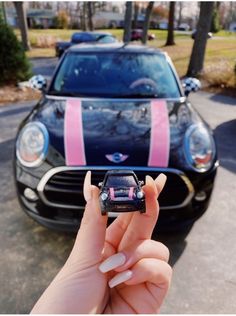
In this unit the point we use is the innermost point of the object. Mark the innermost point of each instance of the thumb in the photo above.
(90, 239)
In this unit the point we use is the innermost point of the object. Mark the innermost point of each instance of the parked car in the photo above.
(84, 37)
(136, 35)
(184, 27)
(112, 107)
(209, 35)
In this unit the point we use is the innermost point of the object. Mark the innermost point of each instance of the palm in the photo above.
(136, 299)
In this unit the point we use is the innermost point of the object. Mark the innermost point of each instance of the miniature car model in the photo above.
(121, 192)
(114, 106)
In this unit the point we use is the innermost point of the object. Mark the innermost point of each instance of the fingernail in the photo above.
(87, 187)
(161, 179)
(120, 278)
(112, 262)
(149, 180)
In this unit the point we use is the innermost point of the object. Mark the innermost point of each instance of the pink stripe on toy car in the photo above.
(112, 193)
(131, 193)
(73, 134)
(160, 135)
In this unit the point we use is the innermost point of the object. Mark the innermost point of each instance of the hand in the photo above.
(114, 270)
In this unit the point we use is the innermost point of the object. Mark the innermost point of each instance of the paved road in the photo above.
(204, 279)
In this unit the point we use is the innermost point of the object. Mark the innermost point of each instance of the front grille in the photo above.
(65, 187)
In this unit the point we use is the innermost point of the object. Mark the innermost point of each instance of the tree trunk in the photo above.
(147, 21)
(83, 17)
(170, 35)
(21, 14)
(180, 12)
(4, 13)
(136, 12)
(90, 16)
(199, 46)
(127, 22)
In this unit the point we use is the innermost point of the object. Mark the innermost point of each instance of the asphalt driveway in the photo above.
(204, 278)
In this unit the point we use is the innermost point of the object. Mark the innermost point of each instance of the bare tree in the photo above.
(199, 46)
(83, 17)
(21, 14)
(127, 22)
(147, 21)
(136, 13)
(90, 15)
(181, 5)
(170, 35)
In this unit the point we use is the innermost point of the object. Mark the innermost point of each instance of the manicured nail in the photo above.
(161, 179)
(120, 278)
(87, 187)
(112, 262)
(148, 180)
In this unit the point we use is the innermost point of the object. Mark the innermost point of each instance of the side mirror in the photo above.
(190, 85)
(38, 82)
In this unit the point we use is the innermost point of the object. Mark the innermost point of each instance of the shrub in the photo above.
(215, 22)
(61, 21)
(14, 65)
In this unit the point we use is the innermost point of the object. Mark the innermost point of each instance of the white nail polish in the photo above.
(161, 178)
(87, 187)
(112, 262)
(120, 278)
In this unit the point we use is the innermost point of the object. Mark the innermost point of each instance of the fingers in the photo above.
(116, 230)
(141, 225)
(155, 271)
(128, 257)
(91, 236)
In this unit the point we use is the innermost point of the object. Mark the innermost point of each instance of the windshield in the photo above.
(116, 75)
(121, 181)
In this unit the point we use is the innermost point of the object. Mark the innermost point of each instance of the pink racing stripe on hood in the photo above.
(160, 135)
(73, 134)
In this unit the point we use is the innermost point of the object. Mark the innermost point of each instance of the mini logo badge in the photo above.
(117, 157)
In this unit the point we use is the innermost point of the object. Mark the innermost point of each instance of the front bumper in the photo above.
(55, 209)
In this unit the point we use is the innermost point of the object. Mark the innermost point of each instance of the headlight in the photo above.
(140, 194)
(104, 196)
(199, 148)
(32, 144)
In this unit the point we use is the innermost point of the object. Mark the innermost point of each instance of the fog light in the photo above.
(200, 196)
(30, 194)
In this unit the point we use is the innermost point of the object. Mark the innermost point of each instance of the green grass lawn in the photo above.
(220, 57)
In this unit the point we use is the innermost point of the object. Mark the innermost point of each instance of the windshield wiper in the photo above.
(137, 95)
(65, 94)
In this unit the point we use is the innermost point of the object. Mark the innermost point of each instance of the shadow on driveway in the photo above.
(223, 99)
(225, 137)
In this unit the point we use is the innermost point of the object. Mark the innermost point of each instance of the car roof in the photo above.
(93, 33)
(113, 47)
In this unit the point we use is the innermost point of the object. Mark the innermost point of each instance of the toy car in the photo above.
(121, 192)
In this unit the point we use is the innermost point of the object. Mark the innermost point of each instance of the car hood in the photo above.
(117, 132)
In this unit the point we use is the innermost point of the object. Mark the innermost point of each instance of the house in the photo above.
(36, 18)
(108, 19)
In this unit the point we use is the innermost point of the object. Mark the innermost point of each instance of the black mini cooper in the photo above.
(121, 192)
(114, 106)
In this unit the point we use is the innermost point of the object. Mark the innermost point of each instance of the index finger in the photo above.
(141, 225)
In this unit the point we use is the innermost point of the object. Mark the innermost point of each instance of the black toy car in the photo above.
(121, 192)
(114, 106)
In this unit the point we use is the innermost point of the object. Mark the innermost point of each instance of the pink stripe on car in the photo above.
(112, 193)
(73, 134)
(131, 193)
(160, 135)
